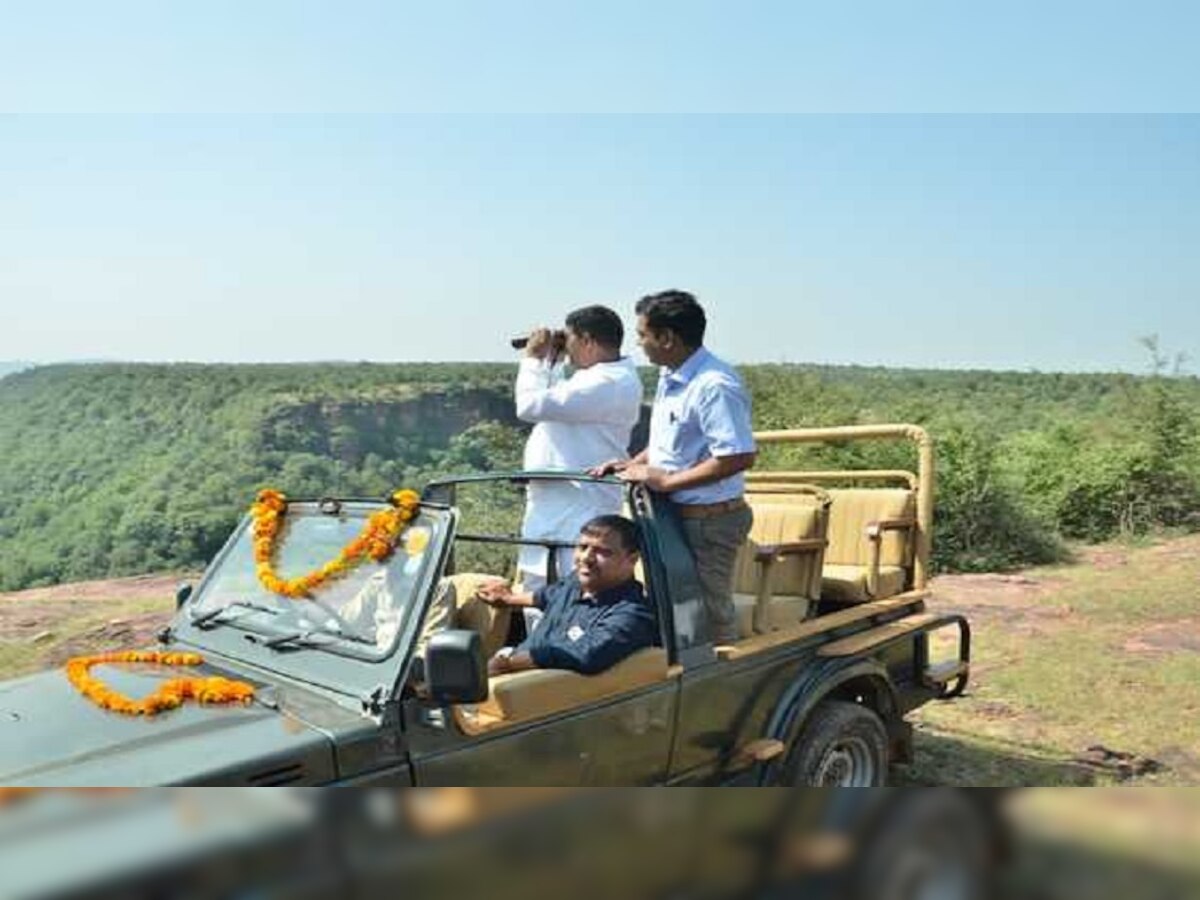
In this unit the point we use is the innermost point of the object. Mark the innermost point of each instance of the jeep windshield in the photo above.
(360, 612)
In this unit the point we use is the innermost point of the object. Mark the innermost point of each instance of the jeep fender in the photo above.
(847, 679)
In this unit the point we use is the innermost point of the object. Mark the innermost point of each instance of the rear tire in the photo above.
(841, 745)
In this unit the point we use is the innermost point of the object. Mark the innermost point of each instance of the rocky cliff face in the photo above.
(349, 429)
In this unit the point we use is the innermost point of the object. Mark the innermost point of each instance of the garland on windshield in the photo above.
(169, 695)
(377, 540)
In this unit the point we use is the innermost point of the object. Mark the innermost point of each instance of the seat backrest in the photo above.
(639, 573)
(639, 569)
(782, 521)
(852, 510)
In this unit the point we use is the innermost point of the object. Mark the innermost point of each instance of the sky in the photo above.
(921, 185)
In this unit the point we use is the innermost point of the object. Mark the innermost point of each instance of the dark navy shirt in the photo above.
(589, 634)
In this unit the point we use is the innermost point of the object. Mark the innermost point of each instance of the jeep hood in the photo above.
(52, 735)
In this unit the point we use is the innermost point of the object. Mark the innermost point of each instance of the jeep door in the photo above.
(618, 740)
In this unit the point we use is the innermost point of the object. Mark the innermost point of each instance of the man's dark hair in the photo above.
(600, 324)
(624, 529)
(677, 311)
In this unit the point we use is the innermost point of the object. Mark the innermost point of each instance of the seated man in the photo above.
(592, 619)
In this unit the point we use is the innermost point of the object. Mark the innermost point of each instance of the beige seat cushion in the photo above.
(849, 583)
(536, 693)
(794, 580)
(781, 611)
(781, 523)
(852, 510)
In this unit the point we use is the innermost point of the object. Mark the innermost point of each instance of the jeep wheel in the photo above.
(841, 745)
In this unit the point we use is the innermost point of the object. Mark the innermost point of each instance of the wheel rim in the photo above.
(847, 763)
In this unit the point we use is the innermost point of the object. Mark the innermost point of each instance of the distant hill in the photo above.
(7, 367)
(118, 469)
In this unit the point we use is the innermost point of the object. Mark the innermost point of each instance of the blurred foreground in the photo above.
(652, 843)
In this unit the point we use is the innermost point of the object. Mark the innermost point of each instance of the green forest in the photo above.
(115, 469)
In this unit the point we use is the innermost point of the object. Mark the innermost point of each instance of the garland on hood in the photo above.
(169, 695)
(376, 541)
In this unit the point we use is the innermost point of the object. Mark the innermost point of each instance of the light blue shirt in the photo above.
(701, 411)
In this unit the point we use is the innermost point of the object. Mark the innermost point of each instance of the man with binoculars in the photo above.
(579, 421)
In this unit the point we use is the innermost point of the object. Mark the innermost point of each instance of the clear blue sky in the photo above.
(276, 181)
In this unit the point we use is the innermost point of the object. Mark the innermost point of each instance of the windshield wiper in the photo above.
(306, 639)
(215, 617)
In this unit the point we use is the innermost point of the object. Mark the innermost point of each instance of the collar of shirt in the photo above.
(622, 361)
(690, 367)
(562, 369)
(624, 591)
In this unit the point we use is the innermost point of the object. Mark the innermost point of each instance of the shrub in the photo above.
(1126, 477)
(982, 523)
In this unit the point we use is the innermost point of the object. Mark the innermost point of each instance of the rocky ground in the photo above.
(1086, 673)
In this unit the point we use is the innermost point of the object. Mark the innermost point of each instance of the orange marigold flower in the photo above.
(376, 541)
(169, 695)
(406, 498)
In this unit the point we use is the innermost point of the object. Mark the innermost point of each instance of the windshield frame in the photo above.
(343, 666)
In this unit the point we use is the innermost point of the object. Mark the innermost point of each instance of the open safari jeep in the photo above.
(380, 676)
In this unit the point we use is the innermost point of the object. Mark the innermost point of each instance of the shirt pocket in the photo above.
(689, 436)
(664, 418)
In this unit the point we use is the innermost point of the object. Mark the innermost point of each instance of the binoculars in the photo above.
(558, 341)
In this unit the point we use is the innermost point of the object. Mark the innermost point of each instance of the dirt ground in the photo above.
(43, 627)
(1085, 673)
(1082, 674)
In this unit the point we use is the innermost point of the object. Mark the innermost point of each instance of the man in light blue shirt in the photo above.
(701, 442)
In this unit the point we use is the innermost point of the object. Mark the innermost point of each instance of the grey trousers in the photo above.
(715, 542)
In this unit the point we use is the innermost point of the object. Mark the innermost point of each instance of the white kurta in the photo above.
(579, 422)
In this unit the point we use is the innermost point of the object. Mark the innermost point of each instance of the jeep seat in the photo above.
(781, 586)
(871, 543)
(537, 693)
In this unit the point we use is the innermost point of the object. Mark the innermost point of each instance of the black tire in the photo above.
(842, 744)
(929, 842)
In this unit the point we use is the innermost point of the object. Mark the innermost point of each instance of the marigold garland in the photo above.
(377, 540)
(169, 695)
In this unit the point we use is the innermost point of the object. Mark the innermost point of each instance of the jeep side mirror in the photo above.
(455, 669)
(182, 593)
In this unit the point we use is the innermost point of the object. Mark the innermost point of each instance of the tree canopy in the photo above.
(112, 469)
